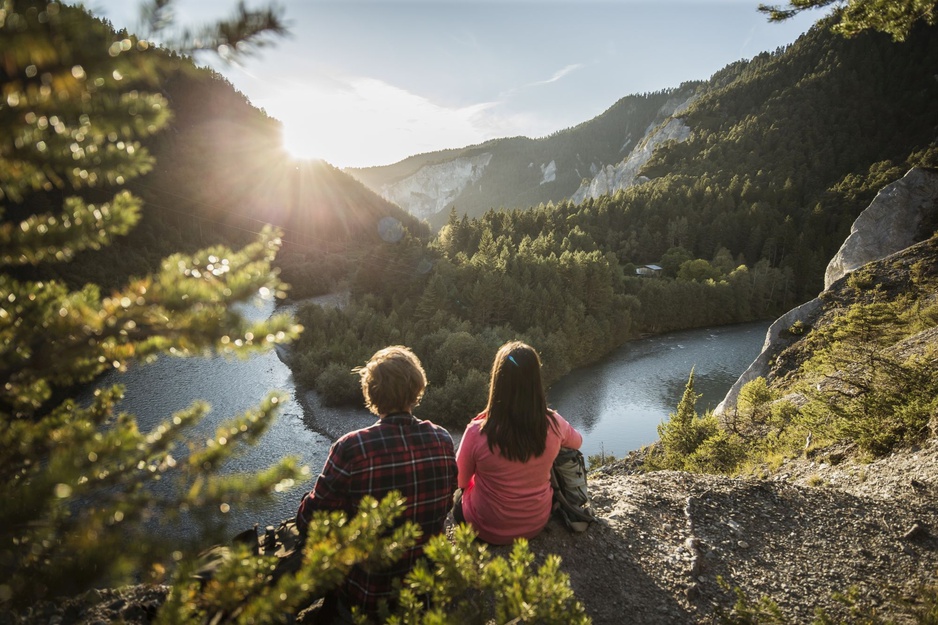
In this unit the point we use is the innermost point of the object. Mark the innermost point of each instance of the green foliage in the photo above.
(920, 608)
(745, 611)
(511, 279)
(753, 407)
(465, 584)
(867, 377)
(681, 434)
(719, 452)
(601, 459)
(871, 395)
(77, 506)
(856, 16)
(697, 270)
(690, 442)
(245, 587)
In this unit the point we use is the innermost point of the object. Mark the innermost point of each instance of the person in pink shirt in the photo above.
(506, 453)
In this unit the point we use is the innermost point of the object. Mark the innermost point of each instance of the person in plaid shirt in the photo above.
(398, 453)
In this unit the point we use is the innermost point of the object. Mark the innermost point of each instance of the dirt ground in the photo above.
(663, 541)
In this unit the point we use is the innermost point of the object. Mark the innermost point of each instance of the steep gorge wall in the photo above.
(433, 187)
(519, 172)
(901, 215)
(612, 178)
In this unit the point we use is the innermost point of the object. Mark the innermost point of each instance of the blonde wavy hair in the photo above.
(392, 381)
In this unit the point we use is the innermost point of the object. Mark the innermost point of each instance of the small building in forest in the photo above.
(648, 271)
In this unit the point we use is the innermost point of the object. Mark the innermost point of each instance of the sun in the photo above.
(298, 143)
(316, 124)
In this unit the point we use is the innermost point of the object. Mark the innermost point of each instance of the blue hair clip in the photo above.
(513, 361)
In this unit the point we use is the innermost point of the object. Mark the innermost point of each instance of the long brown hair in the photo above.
(516, 417)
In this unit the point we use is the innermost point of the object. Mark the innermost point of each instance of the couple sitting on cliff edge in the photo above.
(500, 475)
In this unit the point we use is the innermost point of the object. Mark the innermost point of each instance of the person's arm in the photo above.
(329, 493)
(569, 437)
(465, 458)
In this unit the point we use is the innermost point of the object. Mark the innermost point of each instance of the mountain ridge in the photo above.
(521, 159)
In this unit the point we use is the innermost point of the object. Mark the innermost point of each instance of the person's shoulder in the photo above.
(356, 437)
(556, 415)
(474, 427)
(562, 424)
(436, 428)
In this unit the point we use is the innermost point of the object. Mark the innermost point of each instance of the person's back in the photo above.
(398, 453)
(507, 451)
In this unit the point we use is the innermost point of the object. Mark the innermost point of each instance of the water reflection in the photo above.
(619, 402)
(156, 390)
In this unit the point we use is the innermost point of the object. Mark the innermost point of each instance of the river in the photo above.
(617, 403)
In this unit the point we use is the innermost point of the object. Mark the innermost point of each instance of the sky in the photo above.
(370, 82)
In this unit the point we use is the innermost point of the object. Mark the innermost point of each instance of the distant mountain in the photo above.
(521, 172)
(809, 114)
(221, 175)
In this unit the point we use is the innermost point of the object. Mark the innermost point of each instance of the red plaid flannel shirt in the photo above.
(399, 452)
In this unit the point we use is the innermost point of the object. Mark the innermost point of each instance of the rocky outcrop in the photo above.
(901, 215)
(891, 223)
(777, 338)
(549, 172)
(612, 178)
(433, 187)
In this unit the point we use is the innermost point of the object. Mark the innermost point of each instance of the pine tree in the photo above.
(76, 507)
(74, 495)
(889, 16)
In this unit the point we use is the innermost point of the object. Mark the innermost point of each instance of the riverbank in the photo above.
(617, 402)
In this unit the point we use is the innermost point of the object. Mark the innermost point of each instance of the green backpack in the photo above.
(571, 496)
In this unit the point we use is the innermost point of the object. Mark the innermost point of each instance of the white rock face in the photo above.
(888, 225)
(612, 178)
(806, 313)
(432, 187)
(549, 172)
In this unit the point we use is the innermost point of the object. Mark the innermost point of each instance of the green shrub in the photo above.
(720, 451)
(601, 459)
(337, 384)
(465, 584)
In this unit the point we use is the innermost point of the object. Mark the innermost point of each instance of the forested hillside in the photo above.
(220, 176)
(525, 172)
(787, 149)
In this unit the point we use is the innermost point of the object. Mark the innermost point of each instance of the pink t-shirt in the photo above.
(507, 499)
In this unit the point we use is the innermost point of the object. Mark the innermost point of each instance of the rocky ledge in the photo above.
(814, 530)
(662, 542)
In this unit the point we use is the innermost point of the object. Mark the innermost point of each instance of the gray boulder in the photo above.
(891, 223)
(897, 218)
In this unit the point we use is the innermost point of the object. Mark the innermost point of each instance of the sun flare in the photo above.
(368, 122)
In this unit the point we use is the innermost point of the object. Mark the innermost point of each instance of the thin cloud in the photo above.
(569, 69)
(558, 75)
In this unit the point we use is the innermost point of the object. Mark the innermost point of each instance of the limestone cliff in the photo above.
(891, 223)
(612, 178)
(901, 215)
(520, 172)
(433, 187)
